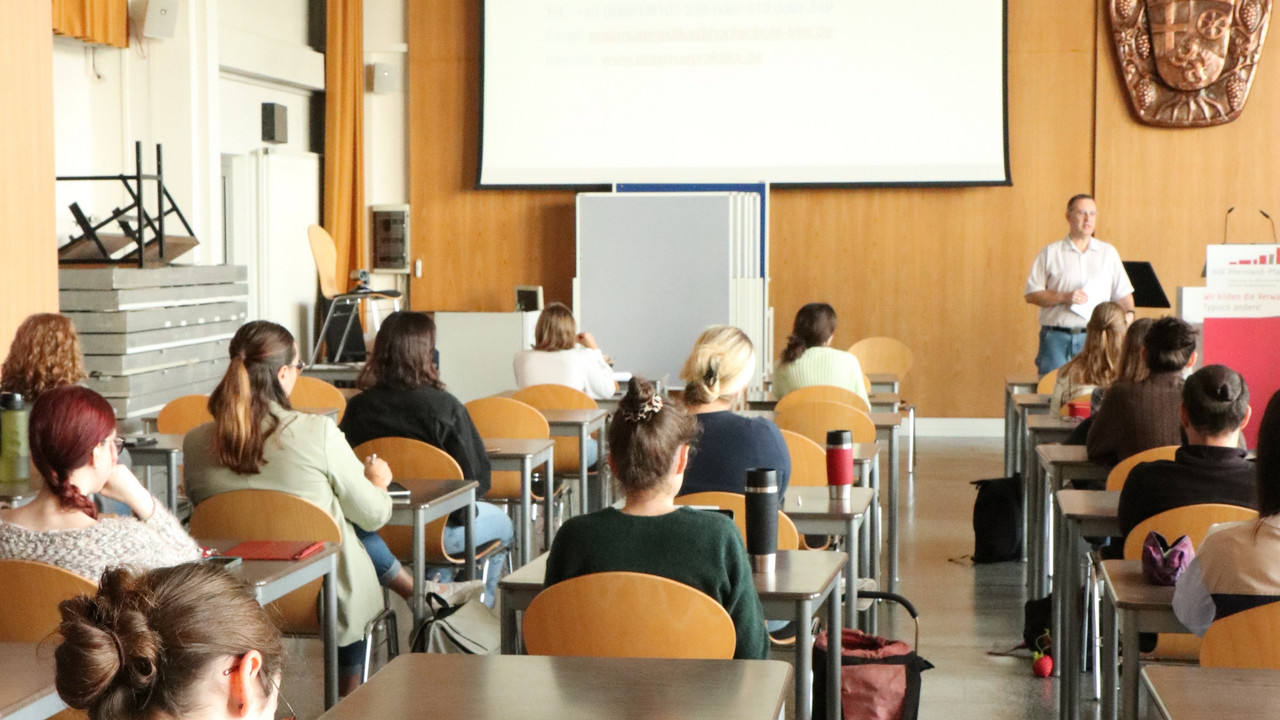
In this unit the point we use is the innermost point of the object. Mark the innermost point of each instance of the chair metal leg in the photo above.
(315, 351)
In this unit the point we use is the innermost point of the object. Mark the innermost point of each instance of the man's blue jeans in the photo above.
(1056, 348)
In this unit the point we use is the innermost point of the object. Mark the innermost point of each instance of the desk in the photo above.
(506, 687)
(1014, 385)
(431, 500)
(27, 691)
(523, 455)
(1040, 429)
(165, 453)
(815, 512)
(1186, 692)
(802, 582)
(1082, 513)
(580, 424)
(884, 382)
(271, 580)
(763, 400)
(1133, 606)
(1024, 406)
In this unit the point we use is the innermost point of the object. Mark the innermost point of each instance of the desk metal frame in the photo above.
(582, 429)
(417, 516)
(811, 508)
(504, 459)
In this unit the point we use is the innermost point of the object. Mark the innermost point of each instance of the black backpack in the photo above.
(997, 520)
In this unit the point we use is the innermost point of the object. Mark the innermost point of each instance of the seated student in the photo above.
(75, 449)
(809, 358)
(1143, 415)
(648, 453)
(45, 353)
(563, 356)
(258, 441)
(716, 372)
(403, 397)
(1210, 468)
(183, 642)
(1132, 369)
(1238, 567)
(1098, 363)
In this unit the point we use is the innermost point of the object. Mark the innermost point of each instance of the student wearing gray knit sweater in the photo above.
(1144, 415)
(75, 449)
(648, 452)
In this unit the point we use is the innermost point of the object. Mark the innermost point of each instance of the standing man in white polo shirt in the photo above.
(1069, 279)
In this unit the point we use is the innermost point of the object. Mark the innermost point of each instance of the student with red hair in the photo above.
(75, 449)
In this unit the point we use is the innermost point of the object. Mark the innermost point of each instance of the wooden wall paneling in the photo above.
(475, 246)
(943, 269)
(28, 236)
(1163, 193)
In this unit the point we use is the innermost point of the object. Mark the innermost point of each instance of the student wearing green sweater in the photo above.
(648, 452)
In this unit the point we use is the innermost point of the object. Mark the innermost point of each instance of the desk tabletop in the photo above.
(815, 502)
(797, 575)
(1022, 380)
(886, 420)
(519, 687)
(1051, 423)
(1185, 692)
(883, 378)
(163, 443)
(516, 447)
(574, 417)
(1131, 591)
(424, 493)
(1090, 504)
(1031, 400)
(1065, 454)
(256, 573)
(27, 680)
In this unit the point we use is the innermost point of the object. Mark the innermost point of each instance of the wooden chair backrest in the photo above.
(808, 460)
(31, 592)
(415, 460)
(310, 392)
(814, 419)
(883, 355)
(829, 393)
(1120, 473)
(503, 417)
(788, 536)
(184, 414)
(1193, 521)
(626, 614)
(1249, 639)
(325, 253)
(559, 397)
(1045, 386)
(271, 515)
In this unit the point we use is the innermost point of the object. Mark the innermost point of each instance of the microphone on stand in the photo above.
(1273, 226)
(1226, 225)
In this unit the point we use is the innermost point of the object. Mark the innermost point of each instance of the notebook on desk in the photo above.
(274, 549)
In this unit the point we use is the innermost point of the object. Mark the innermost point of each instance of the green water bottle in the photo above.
(15, 460)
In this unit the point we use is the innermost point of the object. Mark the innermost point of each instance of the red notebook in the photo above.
(274, 549)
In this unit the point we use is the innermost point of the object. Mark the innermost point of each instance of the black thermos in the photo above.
(762, 518)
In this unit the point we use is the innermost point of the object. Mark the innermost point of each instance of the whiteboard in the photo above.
(288, 201)
(653, 271)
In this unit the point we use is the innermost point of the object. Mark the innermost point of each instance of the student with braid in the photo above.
(648, 452)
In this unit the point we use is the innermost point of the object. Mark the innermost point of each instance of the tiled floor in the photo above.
(965, 610)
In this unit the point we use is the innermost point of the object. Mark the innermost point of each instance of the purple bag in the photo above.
(1162, 562)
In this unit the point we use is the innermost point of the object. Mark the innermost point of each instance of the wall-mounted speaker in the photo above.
(159, 19)
(275, 123)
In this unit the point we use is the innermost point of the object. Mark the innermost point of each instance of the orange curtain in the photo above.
(344, 134)
(104, 22)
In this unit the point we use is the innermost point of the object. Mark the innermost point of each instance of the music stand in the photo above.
(1147, 291)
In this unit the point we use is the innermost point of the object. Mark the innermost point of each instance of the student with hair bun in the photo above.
(75, 448)
(649, 444)
(1210, 467)
(1237, 567)
(258, 441)
(183, 642)
(809, 358)
(715, 373)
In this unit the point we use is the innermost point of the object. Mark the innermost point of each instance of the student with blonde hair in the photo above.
(563, 356)
(1098, 364)
(715, 374)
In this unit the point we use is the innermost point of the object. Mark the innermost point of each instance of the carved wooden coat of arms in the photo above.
(1188, 63)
